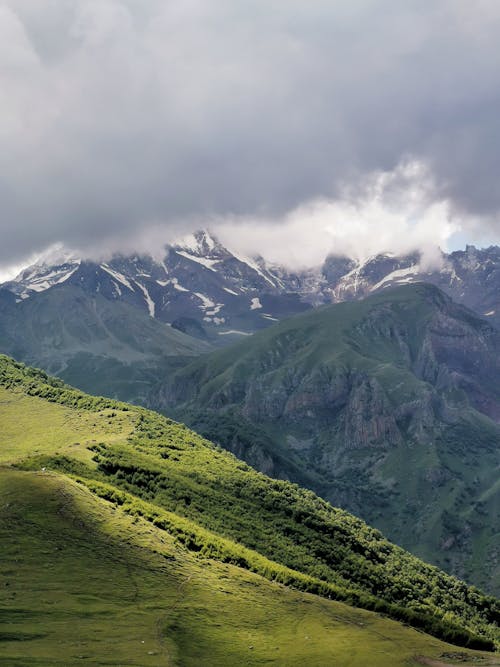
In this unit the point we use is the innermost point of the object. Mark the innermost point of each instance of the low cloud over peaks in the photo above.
(396, 212)
(119, 117)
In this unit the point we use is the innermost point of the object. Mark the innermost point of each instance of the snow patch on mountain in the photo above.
(175, 283)
(51, 279)
(253, 265)
(38, 278)
(207, 263)
(206, 302)
(350, 283)
(149, 301)
(216, 320)
(399, 276)
(453, 275)
(117, 276)
(198, 243)
(215, 310)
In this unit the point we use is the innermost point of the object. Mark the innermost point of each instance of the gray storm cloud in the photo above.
(118, 116)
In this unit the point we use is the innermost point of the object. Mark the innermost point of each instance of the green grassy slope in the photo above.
(380, 406)
(150, 467)
(85, 584)
(95, 343)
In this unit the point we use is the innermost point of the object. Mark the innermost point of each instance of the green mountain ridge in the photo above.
(161, 474)
(99, 345)
(387, 407)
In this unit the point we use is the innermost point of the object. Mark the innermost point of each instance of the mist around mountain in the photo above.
(388, 407)
(471, 277)
(177, 544)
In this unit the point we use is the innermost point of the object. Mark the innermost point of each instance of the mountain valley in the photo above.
(386, 403)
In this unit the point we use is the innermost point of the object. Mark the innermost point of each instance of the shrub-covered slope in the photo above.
(388, 407)
(85, 584)
(219, 507)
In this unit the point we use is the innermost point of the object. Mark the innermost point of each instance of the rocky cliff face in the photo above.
(449, 357)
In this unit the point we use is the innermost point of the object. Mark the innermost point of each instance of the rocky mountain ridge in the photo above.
(393, 415)
(199, 287)
(208, 291)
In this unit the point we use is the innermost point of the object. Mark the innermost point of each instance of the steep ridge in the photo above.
(388, 407)
(154, 469)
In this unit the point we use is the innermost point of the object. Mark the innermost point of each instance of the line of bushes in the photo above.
(209, 545)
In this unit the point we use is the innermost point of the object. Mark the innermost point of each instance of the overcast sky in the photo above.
(351, 123)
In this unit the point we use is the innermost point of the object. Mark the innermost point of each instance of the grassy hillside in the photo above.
(152, 469)
(83, 583)
(387, 407)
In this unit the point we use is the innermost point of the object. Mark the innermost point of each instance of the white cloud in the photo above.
(396, 213)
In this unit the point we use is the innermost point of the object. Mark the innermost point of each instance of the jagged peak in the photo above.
(55, 256)
(200, 242)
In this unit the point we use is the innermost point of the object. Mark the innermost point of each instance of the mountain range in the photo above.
(198, 287)
(208, 291)
(83, 320)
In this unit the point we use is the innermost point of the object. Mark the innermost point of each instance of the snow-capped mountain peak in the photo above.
(201, 244)
(204, 288)
(51, 268)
